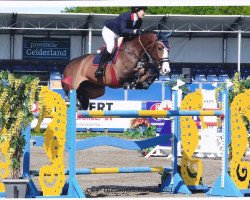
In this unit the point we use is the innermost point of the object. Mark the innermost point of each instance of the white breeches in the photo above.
(109, 38)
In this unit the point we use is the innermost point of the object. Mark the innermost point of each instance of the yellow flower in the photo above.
(14, 108)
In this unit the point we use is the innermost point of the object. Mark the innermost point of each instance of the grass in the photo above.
(83, 135)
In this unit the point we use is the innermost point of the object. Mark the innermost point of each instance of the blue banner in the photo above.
(46, 48)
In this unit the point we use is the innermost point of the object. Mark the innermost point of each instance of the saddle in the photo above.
(113, 58)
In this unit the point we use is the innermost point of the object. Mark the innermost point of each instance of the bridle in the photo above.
(142, 62)
(159, 61)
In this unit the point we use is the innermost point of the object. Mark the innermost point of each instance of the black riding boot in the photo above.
(104, 59)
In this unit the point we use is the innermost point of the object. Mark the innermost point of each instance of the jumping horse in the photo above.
(138, 60)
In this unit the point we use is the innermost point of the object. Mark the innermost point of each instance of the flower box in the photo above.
(15, 188)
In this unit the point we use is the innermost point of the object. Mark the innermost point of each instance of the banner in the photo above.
(108, 122)
(164, 124)
(102, 123)
(46, 48)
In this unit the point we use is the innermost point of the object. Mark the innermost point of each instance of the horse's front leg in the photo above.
(148, 78)
(83, 102)
(132, 83)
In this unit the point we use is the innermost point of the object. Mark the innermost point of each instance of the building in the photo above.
(212, 46)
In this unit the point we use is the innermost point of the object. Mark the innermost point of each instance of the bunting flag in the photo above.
(67, 82)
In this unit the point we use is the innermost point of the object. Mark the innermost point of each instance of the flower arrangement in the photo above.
(140, 128)
(17, 95)
(137, 122)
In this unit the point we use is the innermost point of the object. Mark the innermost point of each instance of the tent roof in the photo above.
(78, 24)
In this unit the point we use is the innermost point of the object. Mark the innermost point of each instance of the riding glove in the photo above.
(138, 31)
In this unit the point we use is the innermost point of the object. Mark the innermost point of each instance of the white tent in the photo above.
(195, 39)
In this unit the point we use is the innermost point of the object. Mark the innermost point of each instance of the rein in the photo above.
(161, 60)
(149, 56)
(151, 60)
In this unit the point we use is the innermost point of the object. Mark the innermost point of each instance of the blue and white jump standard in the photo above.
(173, 183)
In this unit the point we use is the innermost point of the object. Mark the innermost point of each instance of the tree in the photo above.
(194, 10)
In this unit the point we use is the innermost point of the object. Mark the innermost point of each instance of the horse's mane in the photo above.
(131, 37)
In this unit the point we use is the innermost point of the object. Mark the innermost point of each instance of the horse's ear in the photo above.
(169, 34)
(159, 35)
(162, 36)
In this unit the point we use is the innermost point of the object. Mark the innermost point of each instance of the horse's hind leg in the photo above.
(87, 91)
(84, 102)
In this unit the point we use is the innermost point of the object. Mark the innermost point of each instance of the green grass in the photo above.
(82, 135)
(33, 133)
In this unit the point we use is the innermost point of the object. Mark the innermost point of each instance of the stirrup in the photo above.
(99, 73)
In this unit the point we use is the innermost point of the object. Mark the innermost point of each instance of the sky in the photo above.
(45, 10)
(48, 10)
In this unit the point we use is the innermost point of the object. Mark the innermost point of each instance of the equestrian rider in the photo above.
(125, 24)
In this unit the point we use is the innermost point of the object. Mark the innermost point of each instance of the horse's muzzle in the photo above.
(165, 69)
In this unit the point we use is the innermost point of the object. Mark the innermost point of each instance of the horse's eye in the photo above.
(159, 48)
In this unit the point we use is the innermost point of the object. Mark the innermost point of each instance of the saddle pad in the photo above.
(112, 61)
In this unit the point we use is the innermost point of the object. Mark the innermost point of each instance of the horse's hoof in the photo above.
(66, 99)
(126, 86)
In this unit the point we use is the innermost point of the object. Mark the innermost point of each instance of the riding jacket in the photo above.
(123, 24)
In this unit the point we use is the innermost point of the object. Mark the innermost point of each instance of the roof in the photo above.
(80, 24)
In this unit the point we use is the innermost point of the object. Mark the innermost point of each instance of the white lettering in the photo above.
(50, 52)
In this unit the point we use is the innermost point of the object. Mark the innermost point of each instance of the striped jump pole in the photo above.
(113, 170)
(146, 113)
(174, 184)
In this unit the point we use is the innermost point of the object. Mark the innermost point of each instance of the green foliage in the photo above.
(104, 10)
(150, 131)
(17, 143)
(239, 86)
(188, 10)
(83, 135)
(17, 95)
(137, 133)
(133, 133)
(245, 84)
(184, 88)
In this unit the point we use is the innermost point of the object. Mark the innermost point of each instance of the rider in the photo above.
(125, 24)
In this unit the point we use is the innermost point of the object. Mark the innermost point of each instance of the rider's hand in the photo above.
(138, 31)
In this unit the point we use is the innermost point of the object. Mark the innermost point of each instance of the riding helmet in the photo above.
(138, 8)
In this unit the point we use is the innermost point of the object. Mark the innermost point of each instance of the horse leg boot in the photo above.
(104, 59)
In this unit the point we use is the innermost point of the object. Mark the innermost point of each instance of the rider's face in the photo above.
(141, 14)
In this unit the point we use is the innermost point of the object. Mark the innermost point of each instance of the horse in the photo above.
(136, 54)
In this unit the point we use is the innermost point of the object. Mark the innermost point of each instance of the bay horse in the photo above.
(142, 50)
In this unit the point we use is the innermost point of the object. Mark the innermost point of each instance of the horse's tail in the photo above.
(66, 78)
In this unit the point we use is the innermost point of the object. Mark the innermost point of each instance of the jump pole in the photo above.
(72, 187)
(174, 184)
(145, 113)
(113, 170)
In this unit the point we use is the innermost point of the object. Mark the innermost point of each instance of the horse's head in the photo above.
(156, 48)
(160, 53)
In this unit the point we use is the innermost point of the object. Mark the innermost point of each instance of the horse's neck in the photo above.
(141, 43)
(147, 39)
(134, 50)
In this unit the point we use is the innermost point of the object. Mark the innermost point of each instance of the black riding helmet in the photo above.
(137, 9)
